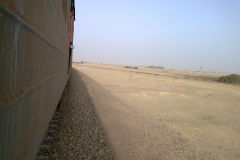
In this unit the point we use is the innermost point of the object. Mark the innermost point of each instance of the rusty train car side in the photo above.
(35, 63)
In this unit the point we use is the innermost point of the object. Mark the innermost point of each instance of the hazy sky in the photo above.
(180, 34)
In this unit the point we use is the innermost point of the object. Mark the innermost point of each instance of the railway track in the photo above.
(75, 131)
(46, 146)
(46, 149)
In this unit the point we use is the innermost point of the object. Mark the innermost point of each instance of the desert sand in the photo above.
(164, 114)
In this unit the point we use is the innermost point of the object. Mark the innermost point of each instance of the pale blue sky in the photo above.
(180, 34)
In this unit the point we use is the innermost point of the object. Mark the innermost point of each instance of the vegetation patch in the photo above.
(132, 67)
(156, 67)
(233, 79)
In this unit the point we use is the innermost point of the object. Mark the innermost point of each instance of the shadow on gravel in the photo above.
(80, 133)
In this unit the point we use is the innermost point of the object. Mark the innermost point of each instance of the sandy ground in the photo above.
(164, 114)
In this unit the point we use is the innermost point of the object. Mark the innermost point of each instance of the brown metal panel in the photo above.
(42, 18)
(34, 48)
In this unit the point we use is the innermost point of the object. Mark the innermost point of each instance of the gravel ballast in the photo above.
(80, 133)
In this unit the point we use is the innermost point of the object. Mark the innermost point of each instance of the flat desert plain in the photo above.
(164, 114)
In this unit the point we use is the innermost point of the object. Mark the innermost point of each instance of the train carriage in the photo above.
(36, 39)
